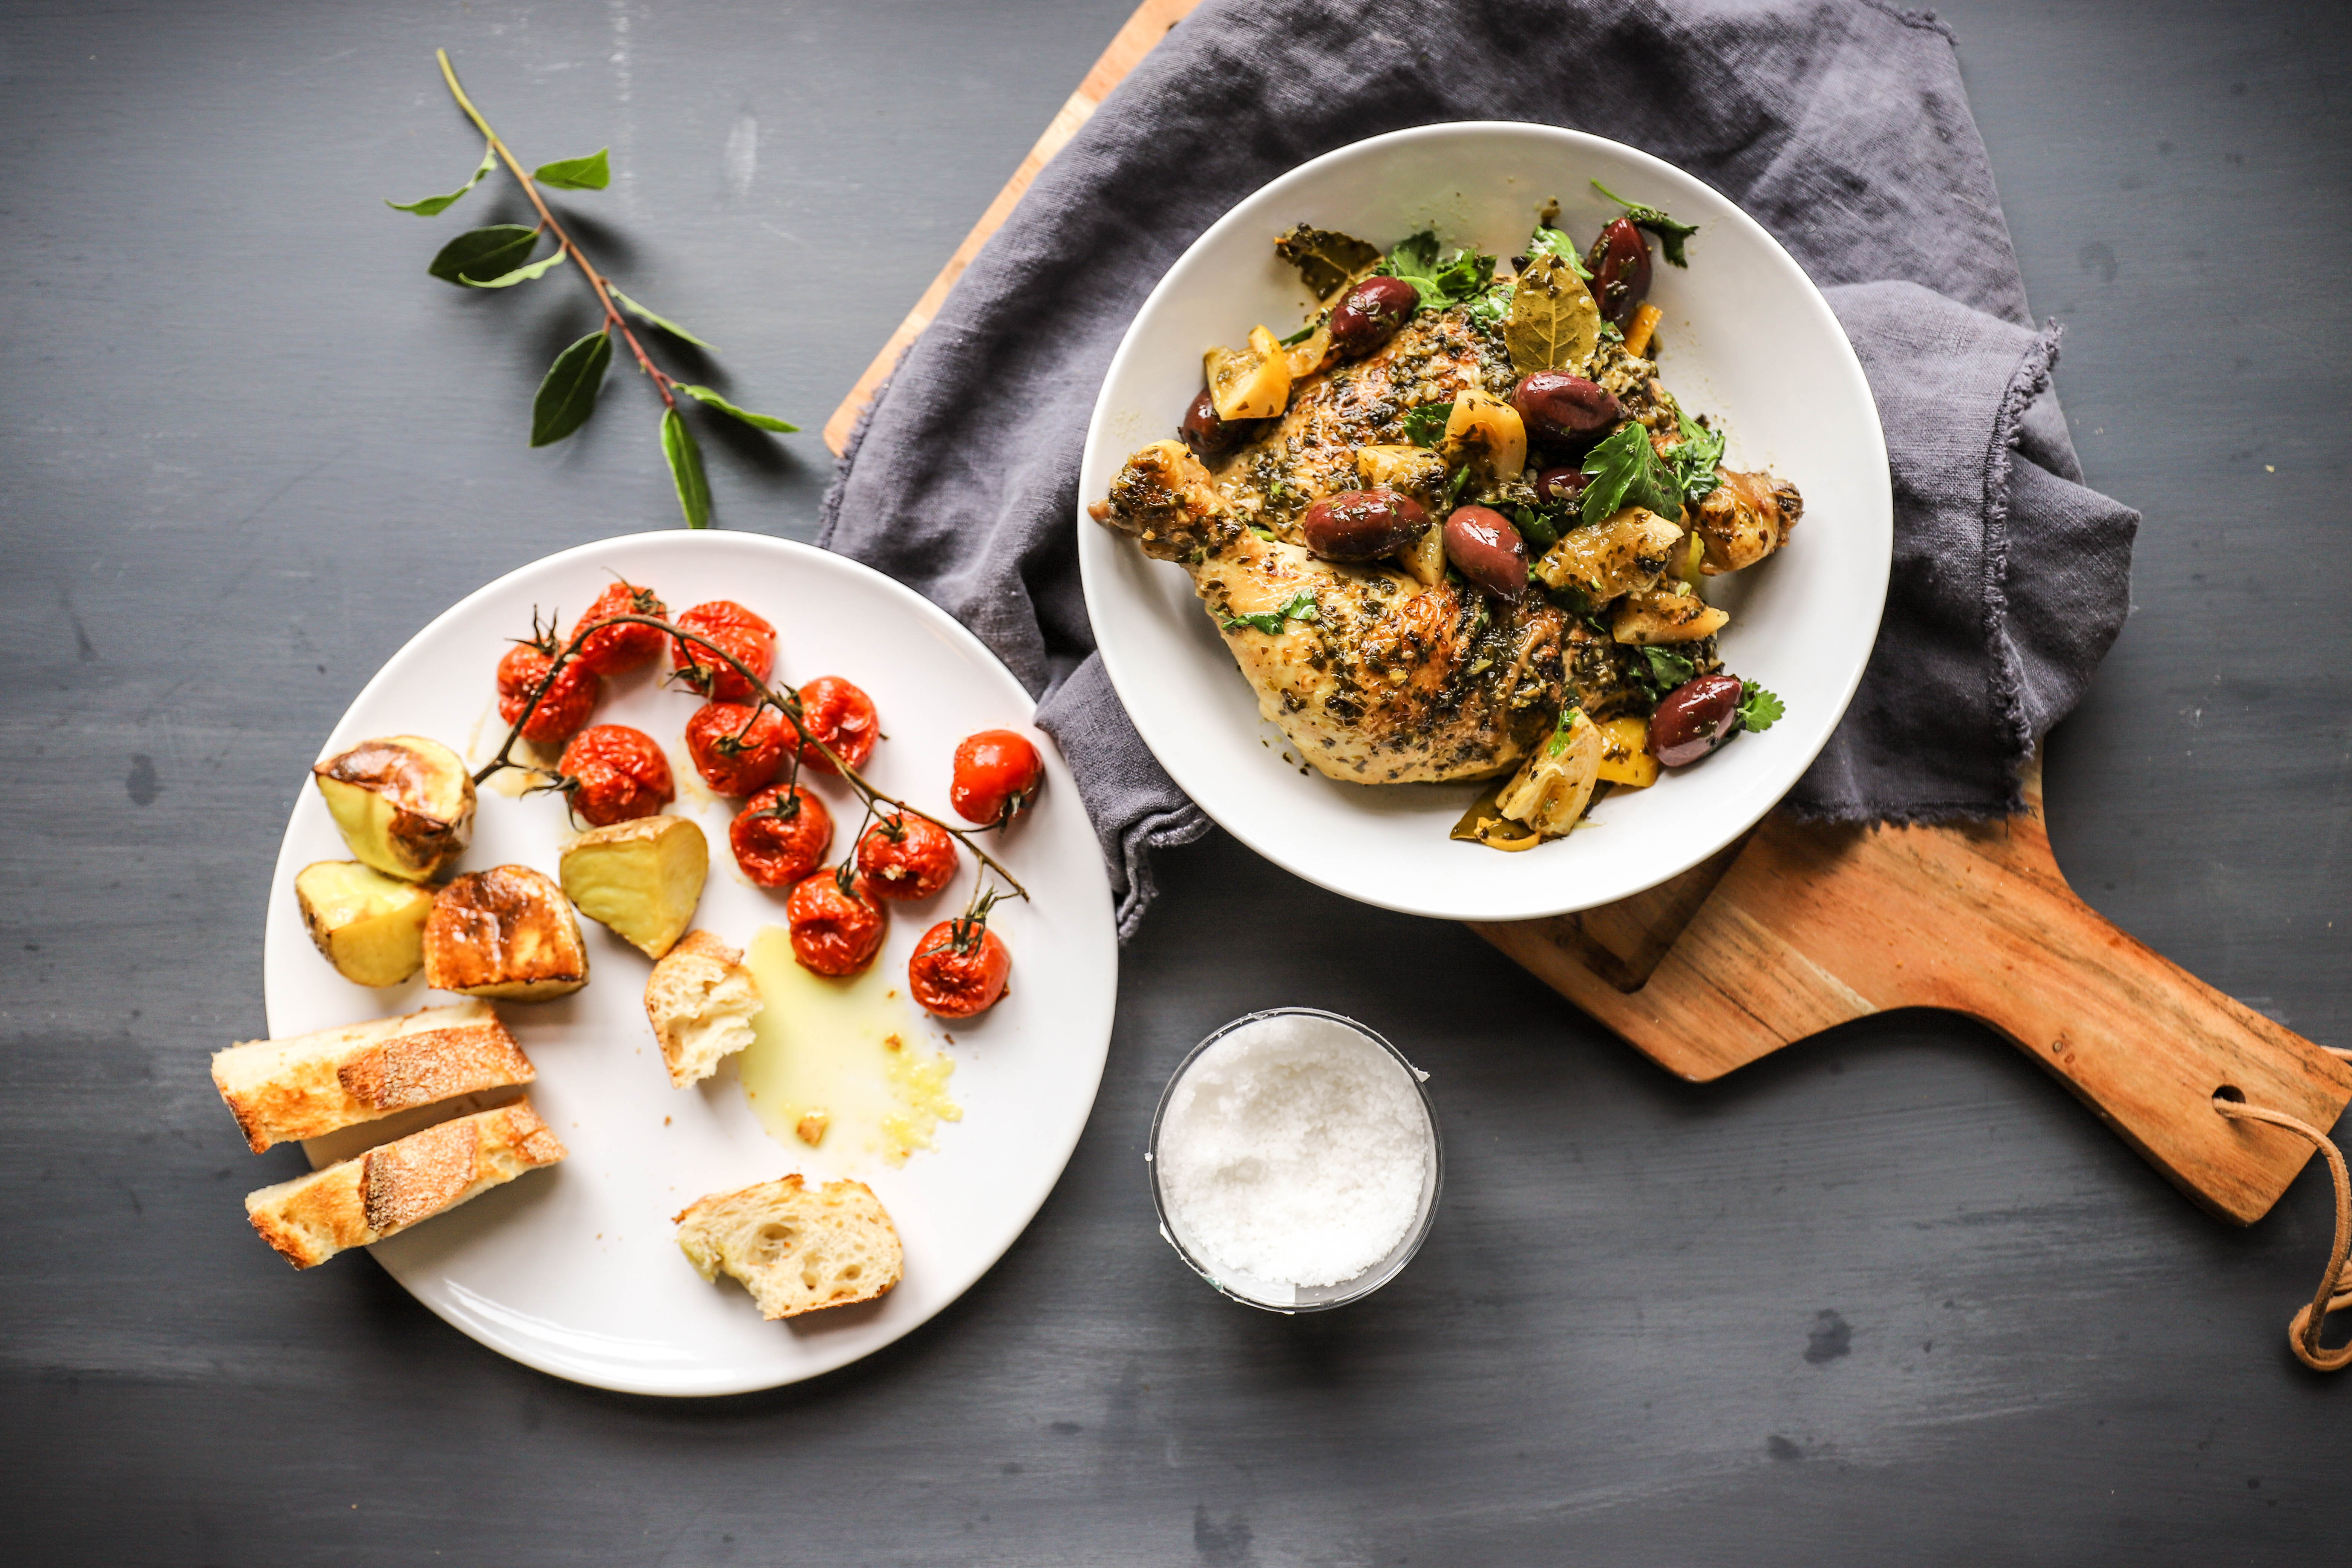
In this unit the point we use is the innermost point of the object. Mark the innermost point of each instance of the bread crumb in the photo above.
(812, 1127)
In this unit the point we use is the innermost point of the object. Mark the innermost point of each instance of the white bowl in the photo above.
(1748, 339)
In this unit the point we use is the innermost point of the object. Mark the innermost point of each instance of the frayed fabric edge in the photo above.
(828, 510)
(1924, 21)
(2027, 383)
(1927, 814)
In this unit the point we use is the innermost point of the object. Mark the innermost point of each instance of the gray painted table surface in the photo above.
(1891, 1296)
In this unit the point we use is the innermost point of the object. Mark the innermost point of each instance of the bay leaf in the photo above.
(567, 394)
(483, 253)
(1325, 257)
(425, 206)
(593, 172)
(664, 323)
(519, 275)
(756, 421)
(686, 470)
(1553, 323)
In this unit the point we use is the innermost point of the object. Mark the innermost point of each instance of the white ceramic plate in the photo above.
(1747, 340)
(574, 1270)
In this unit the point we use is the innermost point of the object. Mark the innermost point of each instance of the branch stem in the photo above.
(613, 317)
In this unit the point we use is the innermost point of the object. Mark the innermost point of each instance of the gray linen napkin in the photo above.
(1839, 125)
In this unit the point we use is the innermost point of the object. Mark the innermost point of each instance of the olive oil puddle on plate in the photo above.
(844, 1058)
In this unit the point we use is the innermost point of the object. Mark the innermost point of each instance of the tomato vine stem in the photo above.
(784, 703)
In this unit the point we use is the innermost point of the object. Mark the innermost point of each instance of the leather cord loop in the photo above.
(2302, 1333)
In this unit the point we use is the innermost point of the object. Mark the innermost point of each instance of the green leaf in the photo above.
(1758, 708)
(589, 174)
(756, 421)
(1414, 259)
(1426, 425)
(664, 323)
(1567, 718)
(568, 394)
(1626, 472)
(484, 253)
(1547, 241)
(1667, 669)
(1300, 608)
(519, 275)
(1695, 459)
(1670, 234)
(425, 206)
(686, 470)
(1553, 323)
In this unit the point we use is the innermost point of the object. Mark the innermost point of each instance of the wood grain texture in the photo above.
(1885, 1295)
(1805, 927)
(1146, 28)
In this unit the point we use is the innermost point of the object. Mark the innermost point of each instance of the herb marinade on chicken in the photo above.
(1374, 675)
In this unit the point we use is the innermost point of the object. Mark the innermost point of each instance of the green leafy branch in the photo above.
(498, 256)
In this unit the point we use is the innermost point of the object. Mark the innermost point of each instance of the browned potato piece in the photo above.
(1662, 616)
(507, 932)
(405, 803)
(371, 927)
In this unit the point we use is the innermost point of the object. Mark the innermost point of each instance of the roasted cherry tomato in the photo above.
(958, 968)
(836, 923)
(781, 836)
(614, 774)
(738, 749)
(734, 628)
(563, 711)
(841, 716)
(997, 774)
(906, 857)
(618, 649)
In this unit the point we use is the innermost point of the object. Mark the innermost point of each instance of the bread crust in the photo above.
(384, 1190)
(309, 1085)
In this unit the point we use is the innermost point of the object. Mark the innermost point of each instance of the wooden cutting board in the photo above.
(1799, 928)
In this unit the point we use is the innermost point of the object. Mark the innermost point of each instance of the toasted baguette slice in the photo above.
(307, 1085)
(384, 1190)
(701, 1001)
(794, 1250)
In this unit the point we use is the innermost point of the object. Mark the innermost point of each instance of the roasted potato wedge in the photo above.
(1552, 787)
(371, 927)
(506, 932)
(405, 804)
(641, 879)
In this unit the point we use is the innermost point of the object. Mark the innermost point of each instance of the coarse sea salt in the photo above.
(1295, 1150)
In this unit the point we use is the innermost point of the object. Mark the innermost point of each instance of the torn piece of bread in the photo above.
(308, 1085)
(384, 1190)
(797, 1250)
(701, 1001)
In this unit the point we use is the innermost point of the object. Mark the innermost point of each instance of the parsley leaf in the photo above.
(1670, 234)
(1490, 309)
(1300, 336)
(1567, 718)
(1547, 241)
(1539, 530)
(1758, 708)
(1694, 458)
(1414, 259)
(1665, 669)
(1453, 485)
(1625, 472)
(1300, 608)
(1426, 423)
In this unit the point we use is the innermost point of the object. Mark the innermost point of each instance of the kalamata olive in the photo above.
(1620, 264)
(1694, 719)
(1565, 412)
(1486, 548)
(1211, 437)
(1371, 313)
(1556, 485)
(1362, 525)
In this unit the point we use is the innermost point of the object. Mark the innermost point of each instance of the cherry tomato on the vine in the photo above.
(836, 930)
(781, 836)
(843, 716)
(906, 857)
(565, 706)
(618, 649)
(614, 774)
(737, 749)
(958, 968)
(997, 776)
(733, 629)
